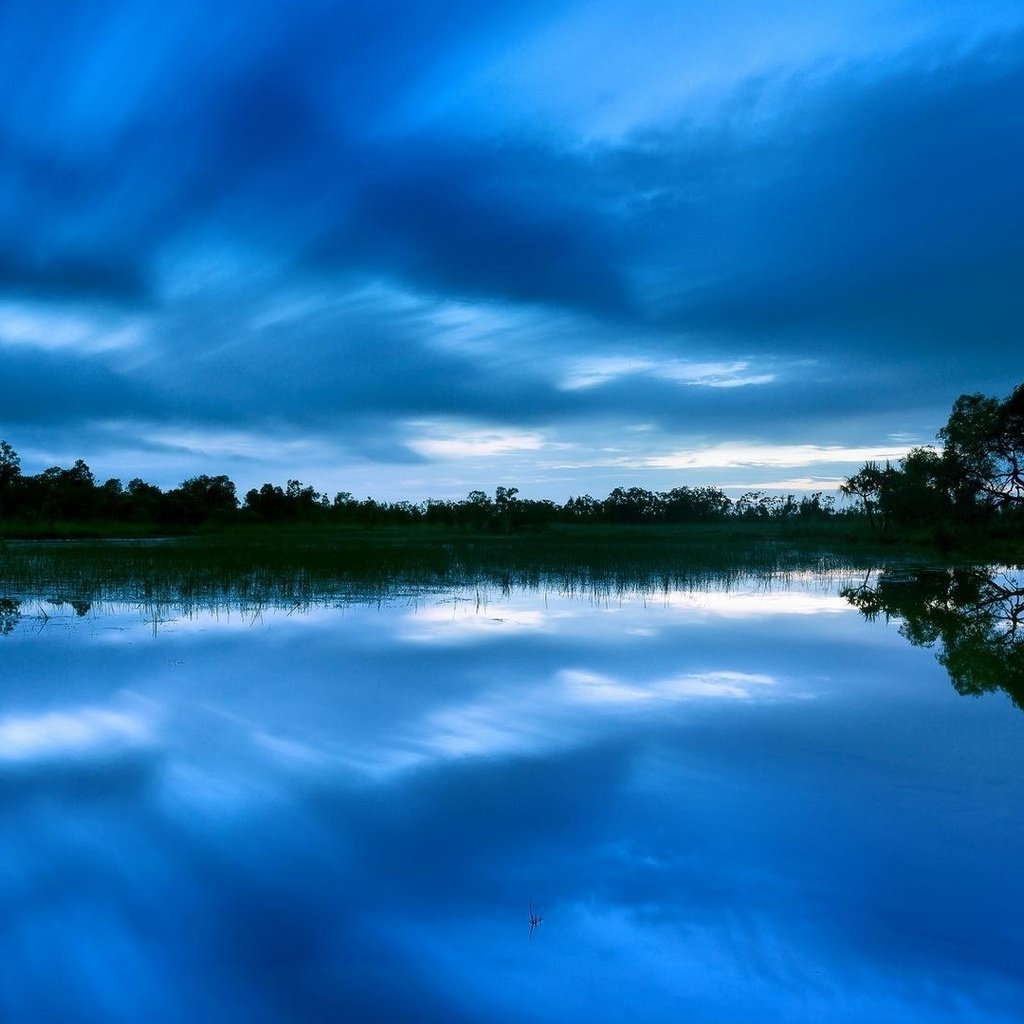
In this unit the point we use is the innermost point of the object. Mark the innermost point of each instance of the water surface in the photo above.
(744, 801)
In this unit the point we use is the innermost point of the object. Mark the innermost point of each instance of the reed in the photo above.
(284, 568)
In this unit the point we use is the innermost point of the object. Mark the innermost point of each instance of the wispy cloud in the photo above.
(794, 483)
(52, 328)
(593, 372)
(475, 444)
(593, 688)
(738, 455)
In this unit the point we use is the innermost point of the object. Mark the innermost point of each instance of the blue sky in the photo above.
(407, 249)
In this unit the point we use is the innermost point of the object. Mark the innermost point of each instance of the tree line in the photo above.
(975, 479)
(62, 495)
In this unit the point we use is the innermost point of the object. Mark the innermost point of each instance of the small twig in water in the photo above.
(536, 920)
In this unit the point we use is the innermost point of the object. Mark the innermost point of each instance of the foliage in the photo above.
(10, 471)
(984, 444)
(975, 482)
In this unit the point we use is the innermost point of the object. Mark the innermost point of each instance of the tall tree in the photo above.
(10, 471)
(10, 465)
(984, 444)
(867, 487)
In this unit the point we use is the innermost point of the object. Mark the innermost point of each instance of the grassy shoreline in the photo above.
(288, 565)
(846, 533)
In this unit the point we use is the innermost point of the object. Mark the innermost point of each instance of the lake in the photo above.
(746, 799)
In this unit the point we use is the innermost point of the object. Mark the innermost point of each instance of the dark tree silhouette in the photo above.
(866, 487)
(984, 443)
(977, 479)
(145, 501)
(10, 472)
(10, 464)
(201, 498)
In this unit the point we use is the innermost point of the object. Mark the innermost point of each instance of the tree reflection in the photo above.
(975, 615)
(10, 613)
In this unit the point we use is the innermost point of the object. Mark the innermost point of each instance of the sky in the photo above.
(407, 248)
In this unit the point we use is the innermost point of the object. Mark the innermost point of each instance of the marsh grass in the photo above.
(273, 568)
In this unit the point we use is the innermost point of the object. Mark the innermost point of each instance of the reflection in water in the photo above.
(975, 615)
(536, 920)
(10, 614)
(58, 736)
(501, 805)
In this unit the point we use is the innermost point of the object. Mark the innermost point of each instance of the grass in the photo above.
(73, 529)
(284, 566)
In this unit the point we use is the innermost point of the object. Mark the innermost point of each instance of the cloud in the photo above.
(477, 444)
(810, 200)
(876, 205)
(791, 484)
(42, 326)
(593, 372)
(482, 218)
(724, 456)
(61, 272)
(61, 388)
(315, 224)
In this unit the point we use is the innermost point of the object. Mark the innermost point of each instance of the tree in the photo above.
(710, 503)
(269, 502)
(144, 500)
(584, 509)
(475, 510)
(65, 493)
(10, 472)
(867, 486)
(113, 499)
(344, 506)
(816, 506)
(506, 506)
(439, 513)
(984, 450)
(203, 497)
(635, 505)
(303, 500)
(760, 505)
(10, 465)
(917, 491)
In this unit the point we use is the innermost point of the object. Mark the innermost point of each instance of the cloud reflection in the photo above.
(483, 617)
(575, 706)
(589, 687)
(346, 819)
(84, 732)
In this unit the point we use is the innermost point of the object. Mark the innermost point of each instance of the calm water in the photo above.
(726, 806)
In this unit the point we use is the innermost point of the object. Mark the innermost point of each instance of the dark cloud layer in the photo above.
(195, 171)
(485, 220)
(894, 213)
(62, 388)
